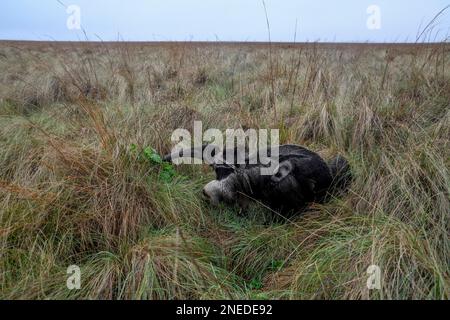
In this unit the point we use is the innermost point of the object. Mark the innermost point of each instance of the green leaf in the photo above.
(165, 176)
(167, 172)
(151, 155)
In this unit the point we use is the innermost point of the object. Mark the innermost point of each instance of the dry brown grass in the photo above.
(77, 188)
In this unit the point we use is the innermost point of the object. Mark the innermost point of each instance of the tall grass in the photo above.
(80, 184)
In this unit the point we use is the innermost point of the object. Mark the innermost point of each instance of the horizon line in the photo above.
(225, 42)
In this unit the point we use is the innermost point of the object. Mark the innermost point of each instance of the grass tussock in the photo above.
(82, 183)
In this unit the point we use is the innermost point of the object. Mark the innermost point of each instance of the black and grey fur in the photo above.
(302, 177)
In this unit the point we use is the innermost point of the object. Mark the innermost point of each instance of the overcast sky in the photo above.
(225, 20)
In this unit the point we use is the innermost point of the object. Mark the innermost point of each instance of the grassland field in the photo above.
(81, 125)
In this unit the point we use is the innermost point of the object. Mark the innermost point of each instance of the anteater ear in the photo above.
(282, 171)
